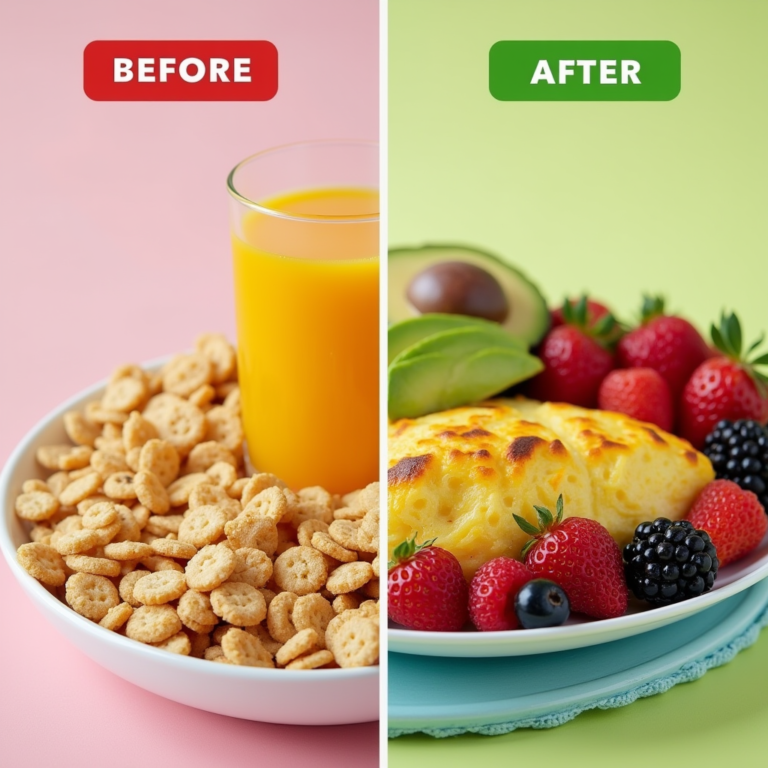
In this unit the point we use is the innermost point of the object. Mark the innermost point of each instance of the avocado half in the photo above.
(528, 317)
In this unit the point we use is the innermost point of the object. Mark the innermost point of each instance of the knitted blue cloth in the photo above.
(691, 670)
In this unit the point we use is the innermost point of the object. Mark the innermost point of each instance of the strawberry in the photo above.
(426, 588)
(578, 554)
(595, 311)
(492, 594)
(667, 343)
(639, 392)
(725, 387)
(733, 517)
(577, 356)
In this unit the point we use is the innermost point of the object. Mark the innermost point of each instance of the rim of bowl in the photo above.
(28, 583)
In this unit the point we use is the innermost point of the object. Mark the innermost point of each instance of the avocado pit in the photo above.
(458, 288)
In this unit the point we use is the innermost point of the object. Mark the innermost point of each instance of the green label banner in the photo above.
(582, 70)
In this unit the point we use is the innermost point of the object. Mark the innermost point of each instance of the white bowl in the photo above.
(295, 697)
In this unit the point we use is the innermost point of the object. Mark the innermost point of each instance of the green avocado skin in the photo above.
(409, 332)
(456, 367)
(529, 315)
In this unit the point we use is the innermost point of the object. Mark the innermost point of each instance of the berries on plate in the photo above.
(734, 519)
(667, 343)
(577, 356)
(542, 603)
(578, 554)
(639, 392)
(725, 387)
(739, 452)
(492, 594)
(669, 562)
(426, 588)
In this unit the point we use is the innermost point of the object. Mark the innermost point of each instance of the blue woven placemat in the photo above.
(691, 670)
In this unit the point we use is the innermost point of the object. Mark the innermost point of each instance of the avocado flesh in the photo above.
(403, 335)
(528, 318)
(454, 368)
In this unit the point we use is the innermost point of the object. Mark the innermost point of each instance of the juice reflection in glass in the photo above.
(305, 239)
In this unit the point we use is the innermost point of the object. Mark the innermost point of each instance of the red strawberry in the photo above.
(426, 588)
(639, 392)
(666, 343)
(734, 518)
(578, 554)
(727, 387)
(576, 358)
(595, 310)
(492, 594)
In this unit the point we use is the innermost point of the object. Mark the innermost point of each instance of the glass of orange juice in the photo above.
(305, 238)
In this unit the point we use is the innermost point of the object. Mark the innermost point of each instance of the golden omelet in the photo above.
(460, 475)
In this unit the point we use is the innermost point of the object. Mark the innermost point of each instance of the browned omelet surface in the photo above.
(460, 475)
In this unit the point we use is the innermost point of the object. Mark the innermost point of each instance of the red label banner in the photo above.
(180, 70)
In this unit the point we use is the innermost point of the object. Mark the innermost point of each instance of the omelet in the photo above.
(460, 475)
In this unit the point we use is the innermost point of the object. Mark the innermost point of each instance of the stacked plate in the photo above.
(448, 683)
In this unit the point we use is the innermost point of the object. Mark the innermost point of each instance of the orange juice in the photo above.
(307, 298)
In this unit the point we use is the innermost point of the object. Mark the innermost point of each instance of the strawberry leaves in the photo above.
(653, 306)
(606, 331)
(728, 339)
(405, 550)
(546, 521)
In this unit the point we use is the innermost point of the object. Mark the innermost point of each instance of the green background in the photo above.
(615, 198)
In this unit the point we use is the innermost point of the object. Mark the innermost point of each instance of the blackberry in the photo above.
(739, 451)
(668, 562)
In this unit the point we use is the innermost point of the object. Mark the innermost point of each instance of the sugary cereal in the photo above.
(128, 550)
(36, 506)
(137, 431)
(151, 492)
(300, 570)
(324, 543)
(186, 373)
(178, 643)
(160, 587)
(210, 567)
(312, 660)
(304, 640)
(91, 596)
(127, 583)
(120, 486)
(179, 550)
(151, 526)
(245, 649)
(239, 604)
(116, 617)
(177, 421)
(42, 562)
(98, 566)
(99, 515)
(251, 530)
(161, 459)
(252, 566)
(152, 623)
(195, 611)
(349, 577)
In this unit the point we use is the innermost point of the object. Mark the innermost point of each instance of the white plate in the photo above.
(581, 632)
(296, 697)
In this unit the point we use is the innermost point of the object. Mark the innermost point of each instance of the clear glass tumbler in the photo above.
(305, 238)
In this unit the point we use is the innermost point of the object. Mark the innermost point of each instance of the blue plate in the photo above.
(449, 696)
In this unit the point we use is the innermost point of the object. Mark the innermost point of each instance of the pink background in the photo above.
(114, 248)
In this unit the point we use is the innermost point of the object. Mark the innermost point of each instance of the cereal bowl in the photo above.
(296, 697)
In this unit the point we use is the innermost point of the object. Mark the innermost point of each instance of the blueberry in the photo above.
(541, 603)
